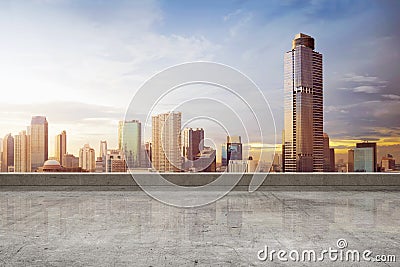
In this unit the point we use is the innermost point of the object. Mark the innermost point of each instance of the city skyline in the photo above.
(68, 77)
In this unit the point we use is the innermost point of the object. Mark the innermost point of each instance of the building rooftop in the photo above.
(125, 228)
(303, 39)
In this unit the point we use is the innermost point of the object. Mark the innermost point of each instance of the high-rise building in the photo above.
(61, 147)
(303, 105)
(103, 149)
(350, 160)
(166, 142)
(70, 161)
(146, 155)
(373, 146)
(332, 165)
(22, 153)
(224, 155)
(101, 159)
(115, 161)
(8, 153)
(129, 141)
(364, 159)
(193, 142)
(87, 160)
(233, 148)
(39, 141)
(327, 160)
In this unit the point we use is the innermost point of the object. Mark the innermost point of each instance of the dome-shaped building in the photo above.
(51, 165)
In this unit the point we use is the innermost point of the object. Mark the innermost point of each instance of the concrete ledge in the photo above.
(273, 181)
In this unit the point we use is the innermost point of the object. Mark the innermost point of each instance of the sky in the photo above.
(80, 63)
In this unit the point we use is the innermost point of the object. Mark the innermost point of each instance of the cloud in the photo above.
(366, 89)
(232, 14)
(392, 97)
(363, 79)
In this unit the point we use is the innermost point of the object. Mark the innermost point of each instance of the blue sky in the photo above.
(80, 62)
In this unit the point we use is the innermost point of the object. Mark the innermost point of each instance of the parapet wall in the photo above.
(273, 181)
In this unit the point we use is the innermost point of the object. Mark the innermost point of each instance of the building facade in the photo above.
(192, 142)
(388, 163)
(364, 159)
(233, 148)
(87, 160)
(8, 153)
(303, 106)
(22, 153)
(129, 141)
(61, 147)
(166, 142)
(374, 153)
(350, 160)
(115, 161)
(39, 132)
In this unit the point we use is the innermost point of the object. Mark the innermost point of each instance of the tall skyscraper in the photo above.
(61, 147)
(373, 146)
(233, 148)
(166, 142)
(193, 142)
(39, 141)
(129, 141)
(327, 163)
(224, 156)
(22, 152)
(8, 153)
(103, 149)
(350, 160)
(87, 160)
(146, 155)
(303, 105)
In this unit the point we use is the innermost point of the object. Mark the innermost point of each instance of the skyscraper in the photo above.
(39, 141)
(364, 159)
(233, 148)
(193, 142)
(101, 159)
(374, 155)
(224, 156)
(22, 153)
(327, 163)
(146, 155)
(166, 142)
(87, 160)
(350, 160)
(303, 105)
(61, 146)
(103, 149)
(8, 153)
(129, 141)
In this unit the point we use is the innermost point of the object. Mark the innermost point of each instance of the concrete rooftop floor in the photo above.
(120, 228)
